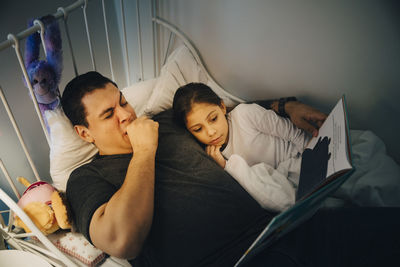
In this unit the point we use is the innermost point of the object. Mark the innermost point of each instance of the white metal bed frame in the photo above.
(50, 252)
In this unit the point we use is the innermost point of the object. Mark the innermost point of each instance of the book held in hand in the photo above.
(335, 128)
(329, 165)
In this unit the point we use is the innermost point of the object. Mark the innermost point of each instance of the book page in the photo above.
(334, 128)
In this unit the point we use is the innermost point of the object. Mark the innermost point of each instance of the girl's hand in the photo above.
(215, 153)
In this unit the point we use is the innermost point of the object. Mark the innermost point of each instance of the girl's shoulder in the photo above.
(249, 109)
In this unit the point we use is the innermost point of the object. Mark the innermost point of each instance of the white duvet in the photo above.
(376, 180)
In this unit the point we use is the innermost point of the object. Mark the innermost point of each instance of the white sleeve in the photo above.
(267, 121)
(267, 186)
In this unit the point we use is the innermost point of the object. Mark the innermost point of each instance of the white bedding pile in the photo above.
(376, 179)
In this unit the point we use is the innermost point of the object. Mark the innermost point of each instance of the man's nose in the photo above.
(124, 115)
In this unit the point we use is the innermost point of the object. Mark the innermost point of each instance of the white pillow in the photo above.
(138, 94)
(68, 151)
(181, 68)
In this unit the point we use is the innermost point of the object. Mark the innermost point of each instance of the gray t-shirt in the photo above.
(202, 216)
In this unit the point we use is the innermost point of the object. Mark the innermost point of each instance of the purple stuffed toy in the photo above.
(45, 75)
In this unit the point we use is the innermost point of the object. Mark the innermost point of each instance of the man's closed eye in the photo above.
(110, 114)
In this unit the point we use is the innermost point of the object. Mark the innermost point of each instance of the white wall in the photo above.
(315, 50)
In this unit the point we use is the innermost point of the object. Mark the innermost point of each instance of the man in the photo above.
(110, 123)
(153, 196)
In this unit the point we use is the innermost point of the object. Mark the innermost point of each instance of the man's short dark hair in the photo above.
(76, 89)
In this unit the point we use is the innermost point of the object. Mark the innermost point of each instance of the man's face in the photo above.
(108, 115)
(208, 124)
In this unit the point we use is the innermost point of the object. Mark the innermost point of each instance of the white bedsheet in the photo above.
(376, 180)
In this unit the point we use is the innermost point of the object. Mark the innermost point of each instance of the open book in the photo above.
(339, 168)
(335, 128)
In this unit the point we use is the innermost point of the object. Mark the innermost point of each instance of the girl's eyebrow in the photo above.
(193, 126)
(208, 116)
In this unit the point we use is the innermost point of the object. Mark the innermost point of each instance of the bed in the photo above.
(180, 64)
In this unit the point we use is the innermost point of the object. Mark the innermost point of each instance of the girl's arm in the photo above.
(271, 189)
(266, 121)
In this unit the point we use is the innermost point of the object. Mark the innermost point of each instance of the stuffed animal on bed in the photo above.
(45, 75)
(45, 206)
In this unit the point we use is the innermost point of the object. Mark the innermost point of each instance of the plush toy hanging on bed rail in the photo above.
(45, 75)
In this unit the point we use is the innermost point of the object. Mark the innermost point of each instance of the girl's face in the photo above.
(207, 122)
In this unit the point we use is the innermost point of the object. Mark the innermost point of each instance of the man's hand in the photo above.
(215, 153)
(305, 117)
(143, 134)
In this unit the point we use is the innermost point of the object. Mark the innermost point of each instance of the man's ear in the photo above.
(84, 133)
(223, 107)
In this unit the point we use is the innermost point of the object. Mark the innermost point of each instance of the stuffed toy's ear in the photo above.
(61, 210)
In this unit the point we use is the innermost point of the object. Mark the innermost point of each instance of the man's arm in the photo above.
(305, 117)
(120, 226)
(302, 115)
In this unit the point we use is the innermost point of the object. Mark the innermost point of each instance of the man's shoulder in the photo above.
(98, 167)
(77, 175)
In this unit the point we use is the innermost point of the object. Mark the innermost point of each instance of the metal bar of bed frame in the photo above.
(127, 71)
(19, 135)
(7, 175)
(139, 33)
(65, 14)
(88, 34)
(108, 39)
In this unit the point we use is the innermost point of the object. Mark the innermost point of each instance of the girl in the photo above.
(262, 151)
(258, 148)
